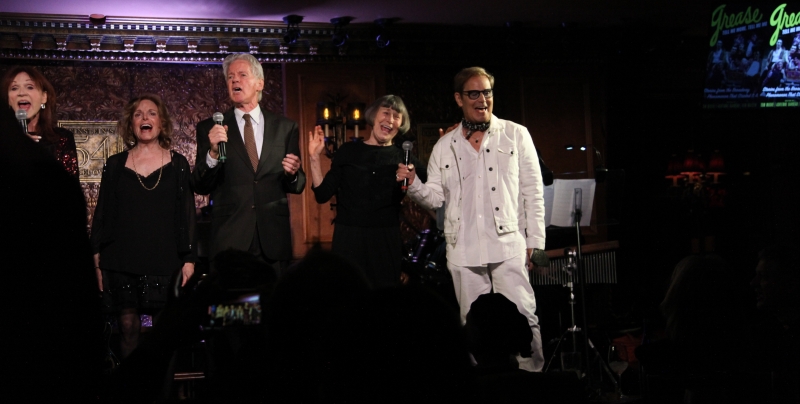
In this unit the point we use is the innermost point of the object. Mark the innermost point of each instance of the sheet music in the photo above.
(558, 211)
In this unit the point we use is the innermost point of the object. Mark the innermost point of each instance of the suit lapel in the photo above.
(235, 142)
(268, 142)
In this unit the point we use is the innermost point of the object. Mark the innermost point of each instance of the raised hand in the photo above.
(316, 142)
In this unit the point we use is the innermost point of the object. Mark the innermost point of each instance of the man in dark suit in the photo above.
(248, 189)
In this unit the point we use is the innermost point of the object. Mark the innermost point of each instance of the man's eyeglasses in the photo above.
(474, 94)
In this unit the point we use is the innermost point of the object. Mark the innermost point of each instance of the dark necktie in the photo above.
(250, 142)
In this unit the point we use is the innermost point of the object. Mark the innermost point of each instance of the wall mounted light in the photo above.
(355, 117)
(337, 118)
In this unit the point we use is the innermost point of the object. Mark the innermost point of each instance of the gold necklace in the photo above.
(139, 176)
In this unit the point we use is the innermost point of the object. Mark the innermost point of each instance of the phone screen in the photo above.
(243, 310)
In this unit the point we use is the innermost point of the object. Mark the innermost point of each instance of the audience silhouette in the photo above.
(777, 287)
(52, 328)
(707, 355)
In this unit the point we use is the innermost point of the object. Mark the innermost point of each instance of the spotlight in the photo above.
(97, 19)
(383, 40)
(340, 36)
(292, 28)
(583, 148)
(569, 147)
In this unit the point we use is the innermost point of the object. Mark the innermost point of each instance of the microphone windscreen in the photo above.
(218, 117)
(407, 145)
(22, 114)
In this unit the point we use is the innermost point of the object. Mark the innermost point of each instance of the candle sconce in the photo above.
(355, 119)
(335, 123)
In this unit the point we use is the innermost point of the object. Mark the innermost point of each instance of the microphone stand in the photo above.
(580, 276)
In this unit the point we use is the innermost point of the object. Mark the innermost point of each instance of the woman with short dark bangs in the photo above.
(368, 195)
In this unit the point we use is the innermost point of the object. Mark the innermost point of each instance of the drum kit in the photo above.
(424, 260)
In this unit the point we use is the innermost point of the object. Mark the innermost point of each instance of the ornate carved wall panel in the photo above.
(142, 39)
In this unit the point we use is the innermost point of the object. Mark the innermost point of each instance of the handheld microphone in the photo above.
(22, 117)
(218, 117)
(407, 146)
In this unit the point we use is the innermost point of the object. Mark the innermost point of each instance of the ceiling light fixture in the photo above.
(383, 40)
(292, 28)
(340, 36)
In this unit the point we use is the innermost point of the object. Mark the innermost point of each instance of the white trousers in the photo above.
(509, 278)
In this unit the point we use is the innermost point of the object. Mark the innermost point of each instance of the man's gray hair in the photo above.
(255, 66)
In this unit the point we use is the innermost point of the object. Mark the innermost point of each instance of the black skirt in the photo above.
(124, 290)
(377, 251)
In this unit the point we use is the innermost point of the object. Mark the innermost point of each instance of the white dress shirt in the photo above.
(258, 131)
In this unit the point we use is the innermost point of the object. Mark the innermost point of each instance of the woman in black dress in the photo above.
(368, 196)
(29, 91)
(143, 230)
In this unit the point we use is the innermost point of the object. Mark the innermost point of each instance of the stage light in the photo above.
(97, 19)
(292, 28)
(569, 147)
(340, 36)
(383, 39)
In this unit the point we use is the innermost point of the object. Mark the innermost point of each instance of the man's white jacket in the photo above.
(515, 182)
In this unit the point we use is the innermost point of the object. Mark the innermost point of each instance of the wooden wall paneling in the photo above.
(555, 115)
(307, 84)
(564, 110)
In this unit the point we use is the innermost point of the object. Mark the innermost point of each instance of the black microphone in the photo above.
(218, 117)
(22, 117)
(407, 146)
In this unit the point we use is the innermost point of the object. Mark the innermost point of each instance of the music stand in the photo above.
(568, 203)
